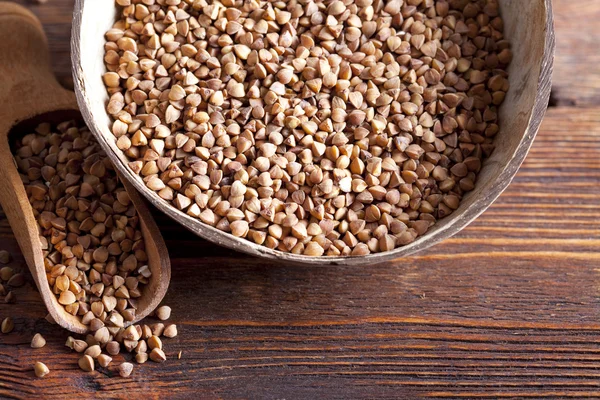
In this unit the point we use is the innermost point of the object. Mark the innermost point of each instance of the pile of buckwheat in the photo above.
(311, 127)
(93, 249)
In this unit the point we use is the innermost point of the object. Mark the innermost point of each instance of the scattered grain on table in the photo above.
(40, 369)
(38, 341)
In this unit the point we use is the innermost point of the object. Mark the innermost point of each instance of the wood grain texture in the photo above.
(508, 308)
(577, 76)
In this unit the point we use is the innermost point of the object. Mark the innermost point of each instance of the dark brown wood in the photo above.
(508, 308)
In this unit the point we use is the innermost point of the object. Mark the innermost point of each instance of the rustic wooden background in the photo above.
(507, 308)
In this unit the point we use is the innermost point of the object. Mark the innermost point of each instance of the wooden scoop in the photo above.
(30, 94)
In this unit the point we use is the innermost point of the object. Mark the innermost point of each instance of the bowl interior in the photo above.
(528, 26)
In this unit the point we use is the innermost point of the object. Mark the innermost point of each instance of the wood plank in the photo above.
(507, 308)
(577, 65)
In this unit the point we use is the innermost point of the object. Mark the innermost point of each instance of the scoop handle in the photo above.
(28, 86)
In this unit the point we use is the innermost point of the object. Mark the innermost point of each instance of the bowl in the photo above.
(529, 28)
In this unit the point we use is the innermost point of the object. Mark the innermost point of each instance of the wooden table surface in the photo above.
(507, 308)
